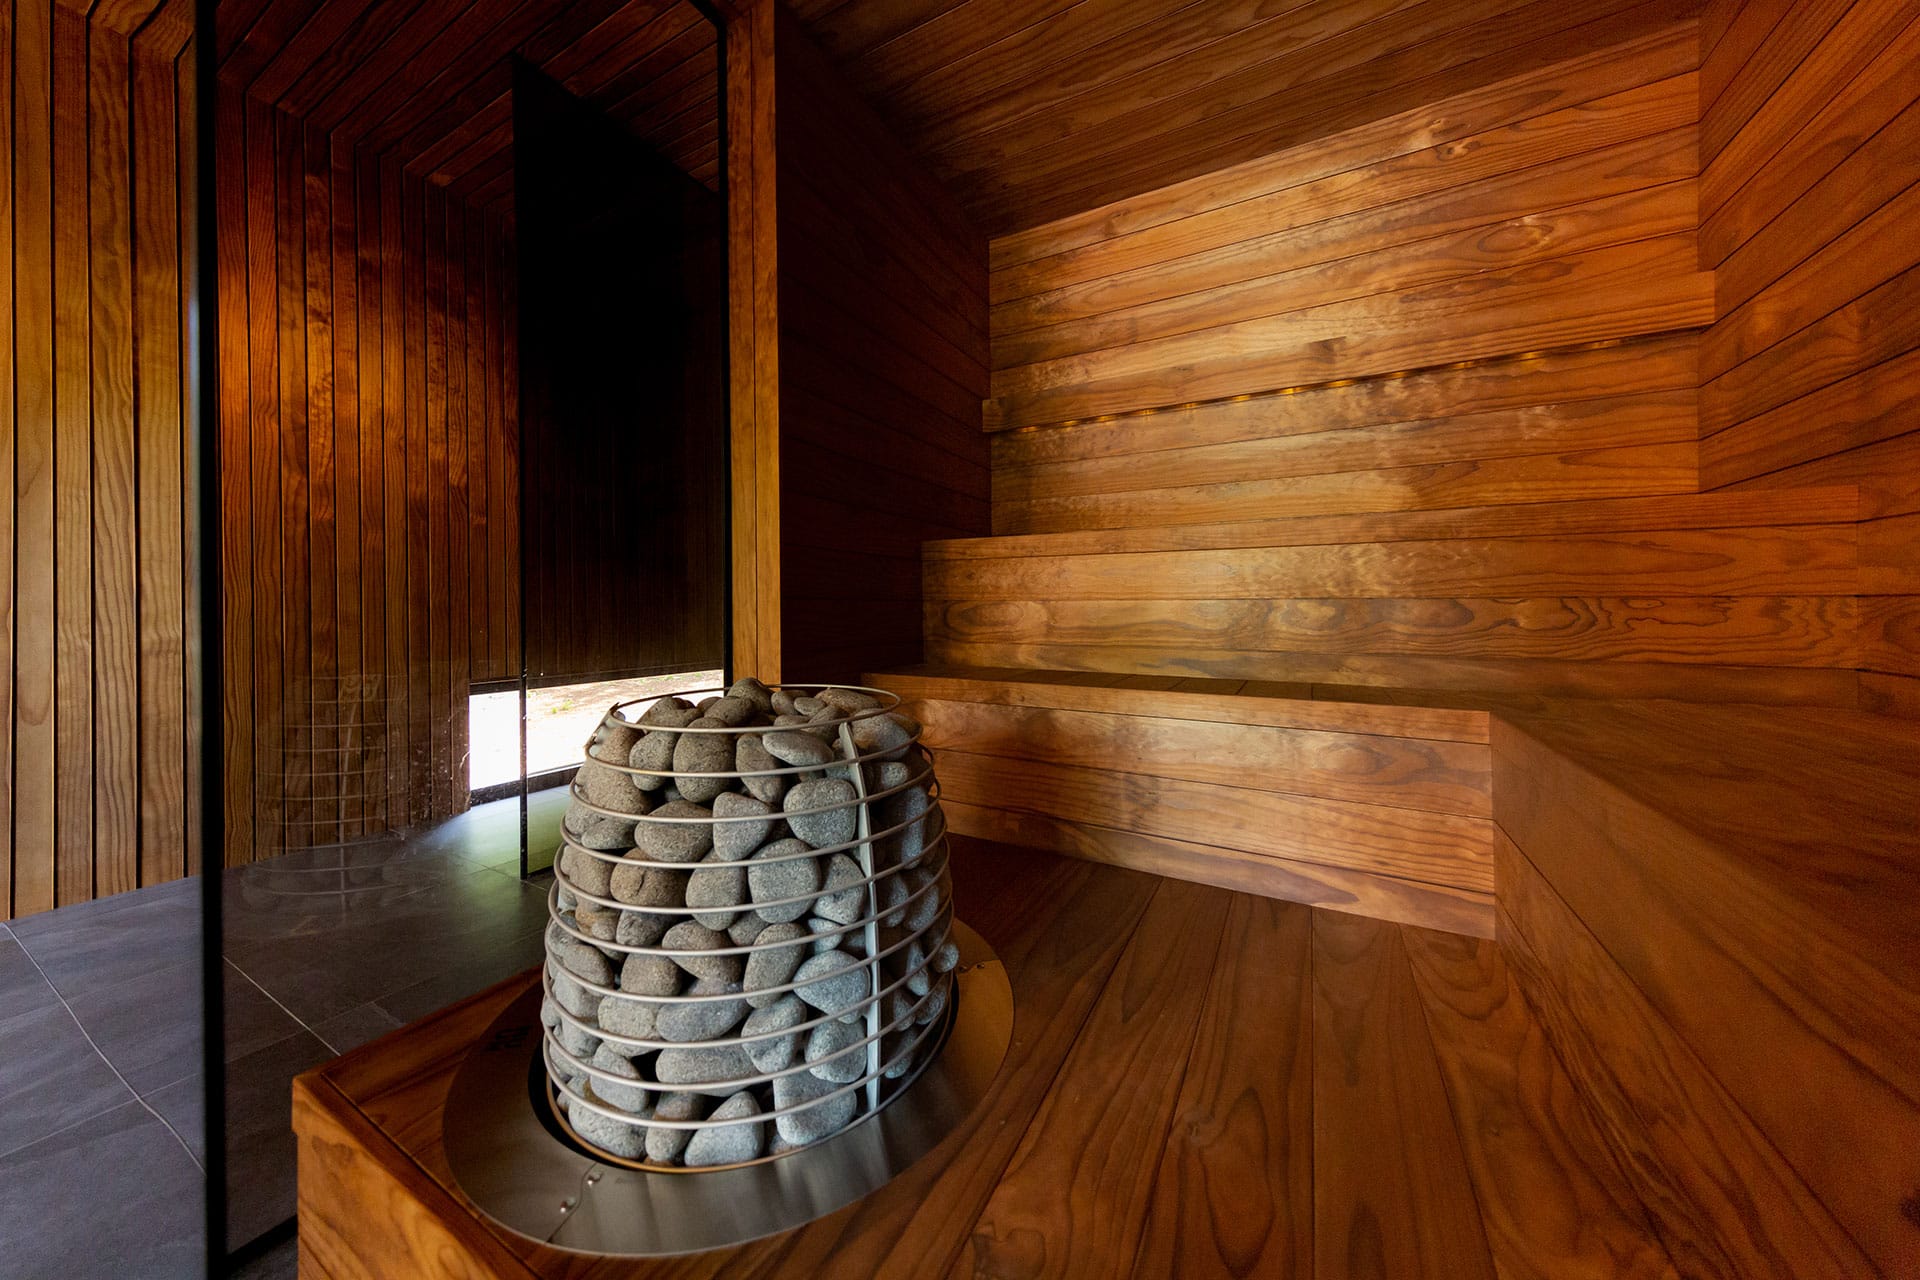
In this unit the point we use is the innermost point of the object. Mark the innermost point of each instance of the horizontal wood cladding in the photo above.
(1030, 113)
(1811, 373)
(96, 777)
(1341, 804)
(1742, 931)
(883, 363)
(369, 520)
(1554, 219)
(429, 86)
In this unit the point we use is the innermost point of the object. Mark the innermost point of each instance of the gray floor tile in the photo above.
(259, 1115)
(22, 989)
(148, 1026)
(111, 940)
(250, 1019)
(50, 1077)
(355, 1027)
(500, 962)
(183, 1104)
(134, 1199)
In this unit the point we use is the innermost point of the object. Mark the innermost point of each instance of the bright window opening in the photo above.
(560, 719)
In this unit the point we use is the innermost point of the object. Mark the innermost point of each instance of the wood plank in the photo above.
(369, 373)
(325, 789)
(117, 550)
(71, 613)
(1554, 1203)
(1796, 631)
(1723, 1201)
(1874, 405)
(438, 780)
(1234, 1189)
(233, 273)
(294, 512)
(1073, 1197)
(1285, 708)
(1358, 676)
(1653, 365)
(1392, 1194)
(1566, 83)
(1811, 560)
(1409, 844)
(1812, 979)
(1371, 769)
(394, 457)
(1602, 294)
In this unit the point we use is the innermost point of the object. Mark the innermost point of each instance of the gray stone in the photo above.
(773, 966)
(886, 737)
(843, 899)
(665, 1145)
(642, 928)
(750, 757)
(925, 908)
(705, 1068)
(616, 1137)
(598, 922)
(653, 753)
(893, 893)
(590, 875)
(835, 826)
(597, 831)
(642, 886)
(849, 700)
(897, 1056)
(703, 753)
(606, 787)
(946, 958)
(782, 703)
(796, 748)
(675, 841)
(931, 1007)
(746, 930)
(913, 965)
(612, 741)
(627, 1097)
(582, 961)
(691, 935)
(808, 705)
(730, 711)
(706, 702)
(650, 975)
(577, 1041)
(777, 875)
(907, 810)
(831, 1053)
(741, 835)
(754, 692)
(732, 1143)
(830, 935)
(833, 981)
(634, 1019)
(720, 888)
(708, 1019)
(575, 999)
(776, 1053)
(820, 1120)
(669, 711)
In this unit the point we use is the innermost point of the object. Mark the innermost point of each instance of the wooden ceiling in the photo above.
(1034, 109)
(428, 82)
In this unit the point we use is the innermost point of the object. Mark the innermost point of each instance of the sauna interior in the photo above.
(1397, 522)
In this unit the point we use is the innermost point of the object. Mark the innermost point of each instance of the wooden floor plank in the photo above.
(1234, 1195)
(1555, 1205)
(1392, 1193)
(1073, 1198)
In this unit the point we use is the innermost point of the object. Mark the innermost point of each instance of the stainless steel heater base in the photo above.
(514, 1161)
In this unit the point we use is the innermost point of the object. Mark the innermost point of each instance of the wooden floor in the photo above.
(1201, 1083)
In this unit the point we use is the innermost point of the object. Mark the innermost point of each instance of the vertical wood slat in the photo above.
(295, 692)
(434, 478)
(199, 704)
(455, 617)
(323, 574)
(233, 278)
(7, 433)
(394, 458)
(371, 774)
(160, 443)
(72, 469)
(344, 312)
(263, 347)
(115, 852)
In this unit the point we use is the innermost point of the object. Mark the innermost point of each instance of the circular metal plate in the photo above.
(519, 1168)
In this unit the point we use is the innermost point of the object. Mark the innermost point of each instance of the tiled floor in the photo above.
(100, 1086)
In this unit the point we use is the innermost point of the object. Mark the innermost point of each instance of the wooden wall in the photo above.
(96, 216)
(1413, 404)
(1810, 123)
(367, 418)
(882, 364)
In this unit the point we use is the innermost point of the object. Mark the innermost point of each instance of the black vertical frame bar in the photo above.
(204, 473)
